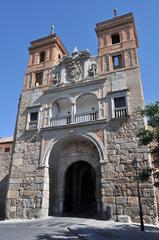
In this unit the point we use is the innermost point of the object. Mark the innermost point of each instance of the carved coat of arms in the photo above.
(74, 71)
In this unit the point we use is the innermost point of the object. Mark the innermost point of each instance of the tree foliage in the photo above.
(150, 137)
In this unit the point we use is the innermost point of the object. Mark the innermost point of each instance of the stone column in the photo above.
(73, 112)
(45, 194)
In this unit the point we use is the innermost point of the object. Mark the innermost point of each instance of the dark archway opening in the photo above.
(80, 183)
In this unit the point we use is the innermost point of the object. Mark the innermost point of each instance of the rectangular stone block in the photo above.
(124, 219)
(28, 193)
(132, 200)
(18, 161)
(15, 180)
(13, 194)
(13, 209)
(121, 200)
(108, 200)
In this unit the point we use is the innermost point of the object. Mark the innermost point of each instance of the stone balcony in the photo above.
(78, 118)
(120, 112)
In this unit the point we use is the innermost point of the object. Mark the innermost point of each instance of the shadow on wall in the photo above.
(3, 192)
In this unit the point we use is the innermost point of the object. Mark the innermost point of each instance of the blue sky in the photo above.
(24, 21)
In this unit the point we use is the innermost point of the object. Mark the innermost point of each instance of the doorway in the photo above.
(80, 184)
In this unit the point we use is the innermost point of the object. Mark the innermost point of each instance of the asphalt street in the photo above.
(64, 228)
(42, 229)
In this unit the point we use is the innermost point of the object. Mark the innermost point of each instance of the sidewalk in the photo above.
(101, 230)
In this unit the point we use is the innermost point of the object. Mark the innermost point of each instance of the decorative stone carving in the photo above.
(74, 71)
(56, 77)
(93, 70)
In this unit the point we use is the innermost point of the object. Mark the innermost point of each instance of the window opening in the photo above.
(115, 38)
(42, 57)
(38, 79)
(120, 109)
(33, 123)
(7, 149)
(34, 116)
(117, 61)
(119, 102)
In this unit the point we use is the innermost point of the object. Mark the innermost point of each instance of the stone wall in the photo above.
(25, 185)
(119, 186)
(29, 189)
(5, 158)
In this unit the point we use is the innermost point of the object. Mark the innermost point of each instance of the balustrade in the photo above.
(78, 118)
(120, 112)
(33, 125)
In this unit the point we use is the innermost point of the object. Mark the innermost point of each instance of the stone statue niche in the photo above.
(92, 72)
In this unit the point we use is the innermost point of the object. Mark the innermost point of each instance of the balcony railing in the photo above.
(33, 125)
(68, 119)
(60, 120)
(120, 112)
(86, 117)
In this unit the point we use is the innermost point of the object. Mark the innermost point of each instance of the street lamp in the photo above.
(136, 165)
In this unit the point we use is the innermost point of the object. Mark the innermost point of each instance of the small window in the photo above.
(7, 149)
(33, 116)
(33, 123)
(117, 61)
(38, 79)
(59, 56)
(115, 38)
(120, 109)
(42, 57)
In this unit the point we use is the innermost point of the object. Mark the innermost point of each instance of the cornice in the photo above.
(75, 85)
(73, 125)
(113, 25)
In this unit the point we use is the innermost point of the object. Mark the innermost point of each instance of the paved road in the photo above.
(53, 228)
(43, 229)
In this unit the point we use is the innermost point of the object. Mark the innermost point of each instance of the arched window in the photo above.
(86, 108)
(61, 112)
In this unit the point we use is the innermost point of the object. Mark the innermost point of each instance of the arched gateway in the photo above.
(74, 177)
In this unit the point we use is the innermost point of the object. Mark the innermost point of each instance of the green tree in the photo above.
(149, 136)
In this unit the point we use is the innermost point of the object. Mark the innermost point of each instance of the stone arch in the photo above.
(68, 150)
(88, 136)
(61, 106)
(86, 103)
(70, 98)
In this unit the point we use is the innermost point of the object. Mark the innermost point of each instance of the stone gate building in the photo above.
(75, 138)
